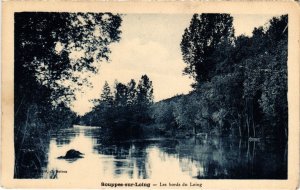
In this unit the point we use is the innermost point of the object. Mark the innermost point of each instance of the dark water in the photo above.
(160, 158)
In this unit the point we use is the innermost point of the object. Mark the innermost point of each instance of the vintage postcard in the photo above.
(150, 95)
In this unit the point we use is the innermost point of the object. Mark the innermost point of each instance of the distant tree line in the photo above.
(125, 109)
(240, 86)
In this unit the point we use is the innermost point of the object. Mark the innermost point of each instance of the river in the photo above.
(161, 158)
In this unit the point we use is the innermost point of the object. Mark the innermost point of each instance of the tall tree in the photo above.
(52, 49)
(145, 91)
(200, 39)
(273, 100)
(121, 94)
(51, 53)
(106, 96)
(132, 92)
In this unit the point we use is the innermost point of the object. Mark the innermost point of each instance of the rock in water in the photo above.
(72, 154)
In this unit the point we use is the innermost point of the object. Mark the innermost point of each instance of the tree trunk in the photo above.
(248, 127)
(249, 117)
(253, 126)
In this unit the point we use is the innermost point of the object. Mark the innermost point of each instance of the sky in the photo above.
(150, 44)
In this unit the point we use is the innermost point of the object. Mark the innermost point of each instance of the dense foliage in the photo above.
(240, 83)
(200, 40)
(239, 90)
(52, 50)
(125, 111)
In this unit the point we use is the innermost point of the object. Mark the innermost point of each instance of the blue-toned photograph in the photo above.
(150, 96)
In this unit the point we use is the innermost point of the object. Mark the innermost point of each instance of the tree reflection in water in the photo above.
(216, 158)
(211, 158)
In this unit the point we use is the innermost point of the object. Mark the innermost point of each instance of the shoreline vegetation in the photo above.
(240, 88)
(242, 93)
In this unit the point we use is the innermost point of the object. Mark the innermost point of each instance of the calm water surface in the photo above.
(161, 158)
